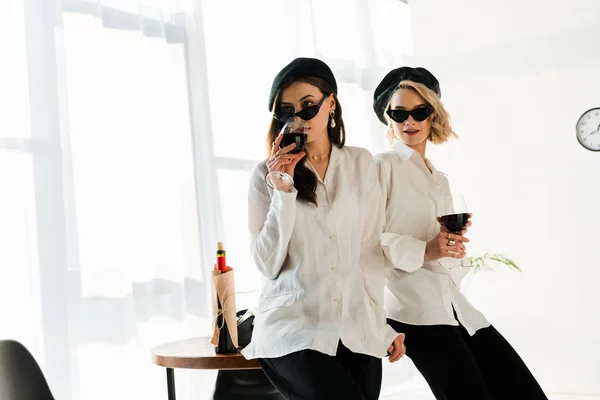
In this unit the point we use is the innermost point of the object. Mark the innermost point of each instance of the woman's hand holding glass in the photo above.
(446, 244)
(282, 163)
(454, 218)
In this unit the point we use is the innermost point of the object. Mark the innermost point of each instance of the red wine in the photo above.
(455, 222)
(295, 137)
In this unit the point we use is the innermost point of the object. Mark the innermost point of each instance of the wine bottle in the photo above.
(224, 345)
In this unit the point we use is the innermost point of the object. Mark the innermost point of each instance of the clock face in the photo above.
(588, 129)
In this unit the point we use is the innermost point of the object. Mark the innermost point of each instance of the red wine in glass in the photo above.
(455, 223)
(294, 137)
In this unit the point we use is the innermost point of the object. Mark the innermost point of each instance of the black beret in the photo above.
(302, 67)
(387, 87)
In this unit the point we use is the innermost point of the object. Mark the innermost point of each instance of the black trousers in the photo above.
(311, 375)
(458, 366)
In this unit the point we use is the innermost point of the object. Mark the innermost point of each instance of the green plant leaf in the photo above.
(488, 260)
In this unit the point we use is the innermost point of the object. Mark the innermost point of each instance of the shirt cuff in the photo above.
(405, 252)
(282, 199)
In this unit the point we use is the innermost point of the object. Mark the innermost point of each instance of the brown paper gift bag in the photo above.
(225, 335)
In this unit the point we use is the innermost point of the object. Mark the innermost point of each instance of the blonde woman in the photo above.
(451, 343)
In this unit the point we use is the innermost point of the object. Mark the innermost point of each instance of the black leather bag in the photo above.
(245, 325)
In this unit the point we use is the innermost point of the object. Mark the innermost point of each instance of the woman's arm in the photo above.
(404, 251)
(271, 223)
(371, 255)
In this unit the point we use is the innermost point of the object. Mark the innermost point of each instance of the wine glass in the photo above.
(294, 131)
(454, 216)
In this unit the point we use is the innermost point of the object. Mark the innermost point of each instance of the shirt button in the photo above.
(332, 237)
(335, 299)
(333, 267)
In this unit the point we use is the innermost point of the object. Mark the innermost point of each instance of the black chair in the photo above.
(20, 375)
(244, 384)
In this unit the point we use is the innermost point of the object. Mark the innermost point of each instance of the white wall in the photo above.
(515, 76)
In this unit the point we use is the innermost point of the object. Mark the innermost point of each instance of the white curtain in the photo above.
(129, 131)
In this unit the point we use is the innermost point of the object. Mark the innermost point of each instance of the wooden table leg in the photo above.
(171, 383)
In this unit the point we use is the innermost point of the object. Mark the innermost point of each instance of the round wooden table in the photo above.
(196, 353)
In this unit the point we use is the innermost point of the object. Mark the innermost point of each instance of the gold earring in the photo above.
(332, 115)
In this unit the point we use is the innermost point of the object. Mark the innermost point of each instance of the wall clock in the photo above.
(588, 129)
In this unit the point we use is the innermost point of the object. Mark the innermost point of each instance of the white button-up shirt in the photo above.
(323, 266)
(418, 292)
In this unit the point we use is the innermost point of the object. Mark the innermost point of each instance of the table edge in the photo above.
(175, 363)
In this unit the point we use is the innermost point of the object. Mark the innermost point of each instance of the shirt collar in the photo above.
(403, 151)
(406, 153)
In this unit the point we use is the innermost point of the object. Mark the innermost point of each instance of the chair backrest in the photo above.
(20, 375)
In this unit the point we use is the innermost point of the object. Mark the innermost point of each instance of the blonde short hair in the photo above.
(441, 130)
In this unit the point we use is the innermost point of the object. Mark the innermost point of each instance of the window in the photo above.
(135, 280)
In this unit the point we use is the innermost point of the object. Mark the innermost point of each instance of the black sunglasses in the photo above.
(306, 114)
(419, 114)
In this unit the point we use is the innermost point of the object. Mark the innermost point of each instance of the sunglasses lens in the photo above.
(282, 116)
(398, 115)
(421, 114)
(308, 113)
